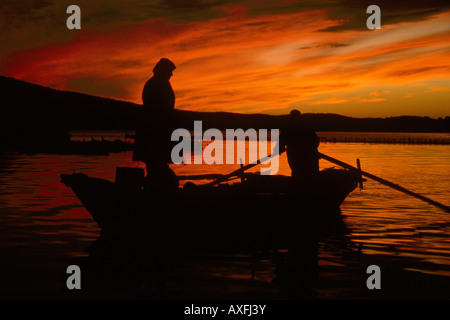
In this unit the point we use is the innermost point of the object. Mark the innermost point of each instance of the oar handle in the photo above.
(242, 169)
(210, 176)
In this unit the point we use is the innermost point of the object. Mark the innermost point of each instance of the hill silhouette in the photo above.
(32, 113)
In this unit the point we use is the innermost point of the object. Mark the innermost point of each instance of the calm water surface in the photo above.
(43, 225)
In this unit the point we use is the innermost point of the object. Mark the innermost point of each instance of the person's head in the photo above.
(294, 118)
(164, 68)
(295, 114)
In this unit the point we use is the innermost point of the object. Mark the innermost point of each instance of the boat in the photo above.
(255, 212)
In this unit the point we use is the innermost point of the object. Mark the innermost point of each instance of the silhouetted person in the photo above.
(301, 144)
(158, 95)
(153, 143)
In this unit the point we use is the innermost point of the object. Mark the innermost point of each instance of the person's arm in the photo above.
(281, 142)
(316, 140)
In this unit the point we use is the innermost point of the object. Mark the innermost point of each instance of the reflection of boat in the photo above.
(259, 211)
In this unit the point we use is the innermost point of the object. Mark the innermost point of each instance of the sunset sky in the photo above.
(252, 56)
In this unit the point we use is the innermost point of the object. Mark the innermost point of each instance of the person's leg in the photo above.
(160, 177)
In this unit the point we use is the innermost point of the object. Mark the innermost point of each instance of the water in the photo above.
(43, 226)
(384, 136)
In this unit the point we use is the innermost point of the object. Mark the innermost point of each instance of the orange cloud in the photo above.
(379, 92)
(265, 63)
(365, 100)
(330, 101)
(438, 89)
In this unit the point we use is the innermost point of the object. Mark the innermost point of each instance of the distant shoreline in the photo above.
(332, 137)
(99, 142)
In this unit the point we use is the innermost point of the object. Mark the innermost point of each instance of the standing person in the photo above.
(301, 143)
(158, 96)
(153, 143)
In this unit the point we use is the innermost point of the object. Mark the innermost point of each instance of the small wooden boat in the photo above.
(259, 211)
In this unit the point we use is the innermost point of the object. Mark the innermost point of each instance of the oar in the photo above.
(241, 170)
(210, 176)
(385, 182)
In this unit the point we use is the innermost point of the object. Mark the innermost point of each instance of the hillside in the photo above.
(33, 112)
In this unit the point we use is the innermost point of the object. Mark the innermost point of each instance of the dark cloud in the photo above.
(408, 72)
(354, 12)
(326, 45)
(101, 14)
(194, 4)
(32, 24)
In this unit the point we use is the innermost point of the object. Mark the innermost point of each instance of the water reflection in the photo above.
(42, 217)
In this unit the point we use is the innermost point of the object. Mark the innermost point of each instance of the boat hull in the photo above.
(262, 212)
